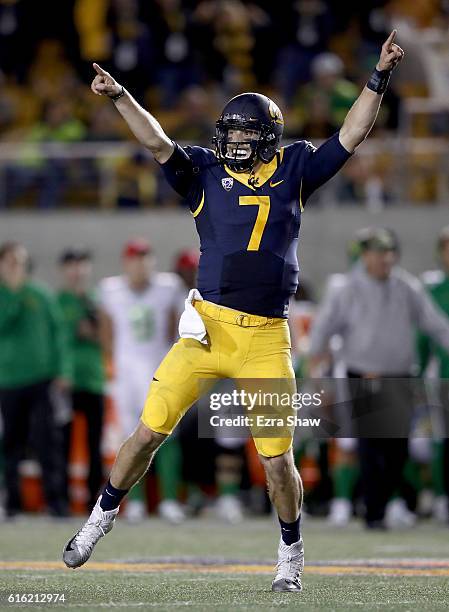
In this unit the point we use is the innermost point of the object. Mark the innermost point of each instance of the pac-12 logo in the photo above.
(227, 183)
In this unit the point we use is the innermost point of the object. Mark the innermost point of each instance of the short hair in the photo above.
(376, 238)
(75, 253)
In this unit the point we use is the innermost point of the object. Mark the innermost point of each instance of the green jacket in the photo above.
(88, 371)
(437, 284)
(33, 345)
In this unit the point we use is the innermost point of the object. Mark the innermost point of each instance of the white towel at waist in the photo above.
(191, 324)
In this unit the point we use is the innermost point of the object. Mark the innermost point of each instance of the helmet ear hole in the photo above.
(268, 146)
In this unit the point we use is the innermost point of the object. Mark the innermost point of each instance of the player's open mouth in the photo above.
(238, 153)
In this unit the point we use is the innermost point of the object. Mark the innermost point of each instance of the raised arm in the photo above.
(361, 117)
(323, 163)
(143, 125)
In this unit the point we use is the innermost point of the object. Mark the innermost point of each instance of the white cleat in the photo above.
(171, 511)
(290, 567)
(229, 509)
(440, 510)
(340, 512)
(79, 548)
(398, 516)
(135, 511)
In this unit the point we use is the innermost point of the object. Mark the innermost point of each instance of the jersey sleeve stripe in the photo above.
(197, 210)
(301, 206)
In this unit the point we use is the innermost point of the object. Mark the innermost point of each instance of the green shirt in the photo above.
(437, 284)
(338, 100)
(88, 371)
(33, 346)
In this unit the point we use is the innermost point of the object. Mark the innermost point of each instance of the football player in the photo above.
(138, 315)
(246, 198)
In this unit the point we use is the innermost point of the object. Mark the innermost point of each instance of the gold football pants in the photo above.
(240, 346)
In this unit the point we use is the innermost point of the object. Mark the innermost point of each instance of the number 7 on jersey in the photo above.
(263, 202)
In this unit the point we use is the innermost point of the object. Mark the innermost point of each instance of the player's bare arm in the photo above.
(143, 125)
(360, 119)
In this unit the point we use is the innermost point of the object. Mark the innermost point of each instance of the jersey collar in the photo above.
(264, 173)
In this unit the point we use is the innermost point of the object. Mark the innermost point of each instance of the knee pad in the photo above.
(156, 415)
(272, 447)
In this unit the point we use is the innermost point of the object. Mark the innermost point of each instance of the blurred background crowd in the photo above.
(61, 146)
(76, 363)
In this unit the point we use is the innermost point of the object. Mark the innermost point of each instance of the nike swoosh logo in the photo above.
(276, 184)
(69, 545)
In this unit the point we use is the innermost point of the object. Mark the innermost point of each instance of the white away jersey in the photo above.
(141, 320)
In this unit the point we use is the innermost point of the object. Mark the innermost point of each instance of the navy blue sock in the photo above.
(111, 497)
(290, 531)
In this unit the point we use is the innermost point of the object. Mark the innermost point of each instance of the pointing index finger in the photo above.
(390, 39)
(99, 70)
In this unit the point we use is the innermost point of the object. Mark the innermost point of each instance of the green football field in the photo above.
(205, 565)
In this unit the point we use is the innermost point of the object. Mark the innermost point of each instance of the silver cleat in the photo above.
(290, 567)
(79, 548)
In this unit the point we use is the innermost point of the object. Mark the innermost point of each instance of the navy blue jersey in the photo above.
(249, 225)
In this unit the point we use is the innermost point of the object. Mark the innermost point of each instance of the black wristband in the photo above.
(119, 95)
(379, 80)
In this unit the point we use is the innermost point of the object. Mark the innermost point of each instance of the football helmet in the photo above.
(263, 120)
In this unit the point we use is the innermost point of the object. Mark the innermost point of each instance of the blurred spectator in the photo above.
(225, 33)
(79, 309)
(13, 54)
(345, 468)
(374, 28)
(305, 27)
(361, 181)
(133, 46)
(376, 312)
(423, 30)
(135, 182)
(302, 311)
(58, 123)
(437, 283)
(174, 65)
(51, 74)
(104, 123)
(34, 168)
(186, 267)
(323, 104)
(435, 49)
(34, 367)
(90, 20)
(194, 122)
(139, 321)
